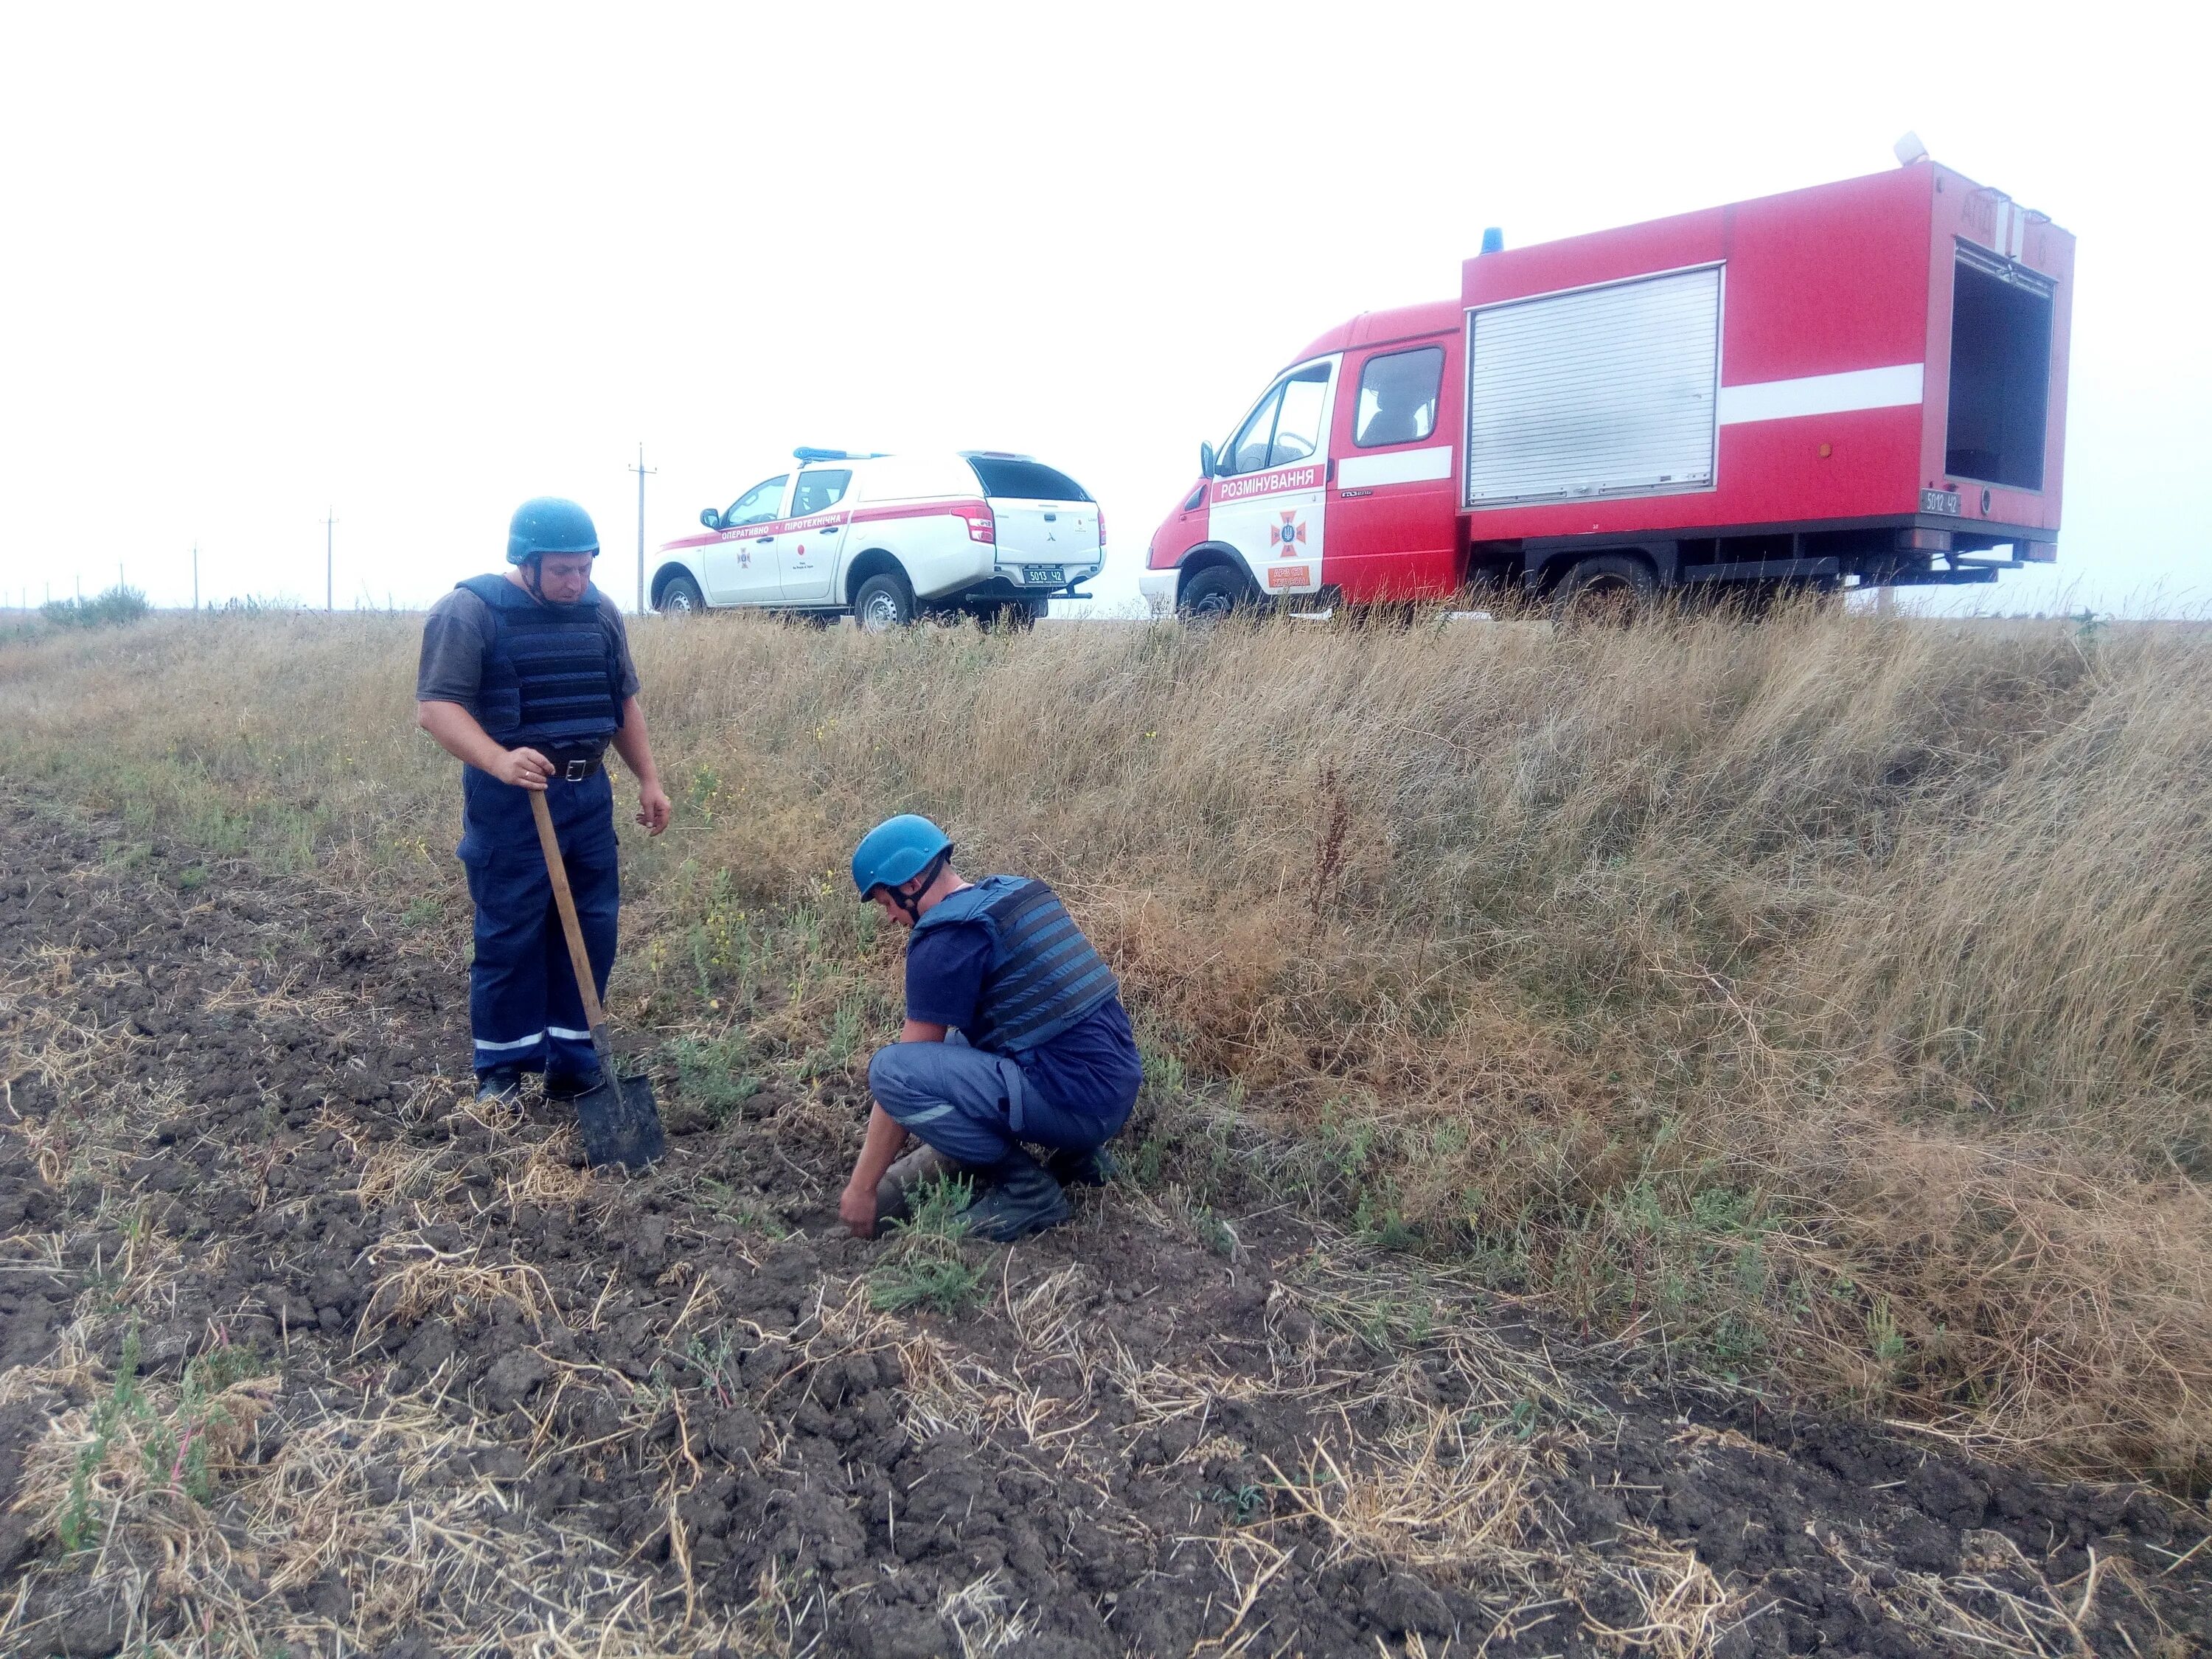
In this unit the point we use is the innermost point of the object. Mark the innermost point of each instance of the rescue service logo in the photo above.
(1266, 483)
(1284, 537)
(1289, 575)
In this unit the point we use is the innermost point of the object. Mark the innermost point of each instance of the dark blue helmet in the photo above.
(546, 524)
(896, 851)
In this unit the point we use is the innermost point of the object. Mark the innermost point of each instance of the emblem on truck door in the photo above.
(1282, 536)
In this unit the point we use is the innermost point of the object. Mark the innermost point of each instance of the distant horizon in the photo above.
(412, 325)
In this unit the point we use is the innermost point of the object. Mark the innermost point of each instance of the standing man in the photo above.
(1014, 1032)
(527, 678)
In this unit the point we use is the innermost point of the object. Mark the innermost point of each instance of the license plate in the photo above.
(1044, 575)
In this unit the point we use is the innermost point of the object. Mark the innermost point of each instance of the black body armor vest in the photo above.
(1044, 975)
(553, 677)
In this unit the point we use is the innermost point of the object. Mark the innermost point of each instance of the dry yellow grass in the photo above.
(1833, 995)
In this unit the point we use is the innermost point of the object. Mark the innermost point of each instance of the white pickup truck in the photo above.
(889, 538)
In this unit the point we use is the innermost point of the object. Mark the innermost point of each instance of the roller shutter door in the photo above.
(1603, 391)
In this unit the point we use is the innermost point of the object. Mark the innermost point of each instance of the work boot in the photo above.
(1023, 1198)
(567, 1085)
(1085, 1166)
(900, 1181)
(500, 1085)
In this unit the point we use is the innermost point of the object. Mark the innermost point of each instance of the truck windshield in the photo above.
(1024, 481)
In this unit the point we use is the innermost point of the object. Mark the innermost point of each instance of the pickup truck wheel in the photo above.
(681, 598)
(1609, 588)
(884, 602)
(1213, 593)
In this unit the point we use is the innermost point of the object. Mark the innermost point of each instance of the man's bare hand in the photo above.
(526, 768)
(856, 1208)
(653, 808)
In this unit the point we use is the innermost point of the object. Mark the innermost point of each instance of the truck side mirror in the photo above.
(710, 518)
(1206, 462)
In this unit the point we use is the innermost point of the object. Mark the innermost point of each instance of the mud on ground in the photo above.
(301, 1349)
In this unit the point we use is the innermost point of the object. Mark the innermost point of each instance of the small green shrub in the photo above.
(117, 607)
(925, 1267)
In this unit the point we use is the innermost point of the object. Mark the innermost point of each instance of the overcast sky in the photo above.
(417, 263)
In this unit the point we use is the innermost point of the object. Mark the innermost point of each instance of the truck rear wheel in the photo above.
(1213, 593)
(681, 598)
(1607, 587)
(884, 602)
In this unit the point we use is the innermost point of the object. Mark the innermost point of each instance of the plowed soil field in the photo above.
(303, 1352)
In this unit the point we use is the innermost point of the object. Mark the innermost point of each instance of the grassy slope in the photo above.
(1830, 996)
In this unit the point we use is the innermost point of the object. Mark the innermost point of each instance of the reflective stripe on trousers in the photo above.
(524, 1010)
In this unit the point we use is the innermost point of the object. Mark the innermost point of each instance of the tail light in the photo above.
(982, 527)
(1102, 530)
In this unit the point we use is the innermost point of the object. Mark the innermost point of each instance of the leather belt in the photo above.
(575, 769)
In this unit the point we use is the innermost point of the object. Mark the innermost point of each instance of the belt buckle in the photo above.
(578, 771)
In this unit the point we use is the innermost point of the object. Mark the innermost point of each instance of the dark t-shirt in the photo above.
(1092, 1068)
(458, 632)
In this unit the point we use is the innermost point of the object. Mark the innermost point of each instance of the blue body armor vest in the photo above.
(1043, 976)
(553, 677)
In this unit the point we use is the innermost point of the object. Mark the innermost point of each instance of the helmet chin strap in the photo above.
(911, 903)
(533, 577)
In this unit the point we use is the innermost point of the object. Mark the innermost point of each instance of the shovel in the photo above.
(618, 1121)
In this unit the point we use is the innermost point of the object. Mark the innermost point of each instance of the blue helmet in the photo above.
(546, 524)
(897, 850)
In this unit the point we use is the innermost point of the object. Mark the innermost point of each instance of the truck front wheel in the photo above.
(1213, 593)
(1607, 587)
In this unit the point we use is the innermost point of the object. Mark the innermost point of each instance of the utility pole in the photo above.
(196, 578)
(329, 517)
(641, 470)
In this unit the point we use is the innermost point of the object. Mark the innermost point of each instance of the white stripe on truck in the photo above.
(1401, 466)
(1822, 394)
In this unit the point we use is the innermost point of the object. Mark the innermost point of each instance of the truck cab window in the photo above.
(759, 505)
(1398, 397)
(1285, 427)
(819, 490)
(1297, 429)
(1248, 450)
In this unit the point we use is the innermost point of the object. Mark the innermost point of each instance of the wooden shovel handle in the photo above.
(566, 901)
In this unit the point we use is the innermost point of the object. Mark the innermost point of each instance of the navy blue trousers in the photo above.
(523, 1011)
(975, 1107)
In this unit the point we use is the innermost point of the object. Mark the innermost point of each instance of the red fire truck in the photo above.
(1862, 383)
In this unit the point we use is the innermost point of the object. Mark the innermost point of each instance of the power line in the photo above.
(641, 470)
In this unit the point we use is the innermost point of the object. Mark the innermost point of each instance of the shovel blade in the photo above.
(619, 1122)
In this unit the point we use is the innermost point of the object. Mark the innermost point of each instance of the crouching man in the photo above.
(1014, 1032)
